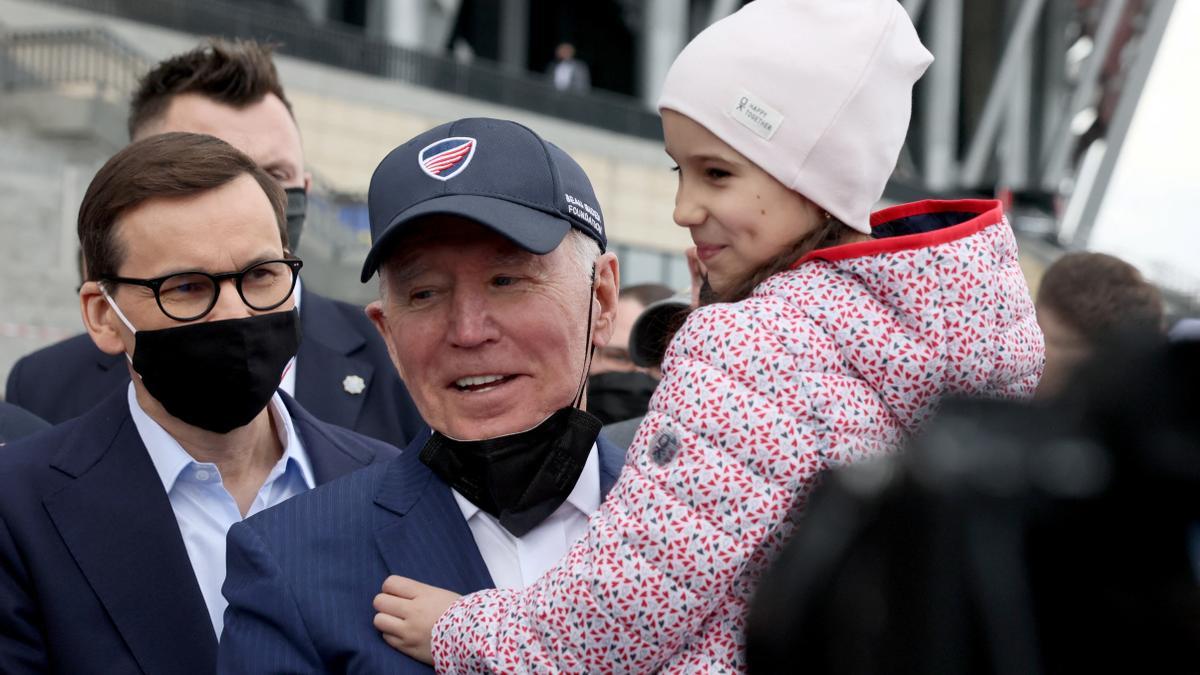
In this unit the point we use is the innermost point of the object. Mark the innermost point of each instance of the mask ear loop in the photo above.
(120, 315)
(589, 347)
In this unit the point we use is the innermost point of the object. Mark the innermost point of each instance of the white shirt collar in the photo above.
(585, 497)
(170, 459)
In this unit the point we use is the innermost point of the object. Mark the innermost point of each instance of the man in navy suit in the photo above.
(342, 372)
(495, 292)
(113, 524)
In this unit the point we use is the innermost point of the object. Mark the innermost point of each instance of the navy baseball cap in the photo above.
(494, 172)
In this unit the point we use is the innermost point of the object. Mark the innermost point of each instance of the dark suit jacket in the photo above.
(17, 423)
(301, 575)
(65, 380)
(94, 575)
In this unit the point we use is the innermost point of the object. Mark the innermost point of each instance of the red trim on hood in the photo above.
(990, 212)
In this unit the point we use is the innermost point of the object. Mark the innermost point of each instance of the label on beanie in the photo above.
(752, 113)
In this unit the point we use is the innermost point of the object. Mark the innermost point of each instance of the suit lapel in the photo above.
(118, 523)
(324, 362)
(612, 460)
(329, 459)
(426, 537)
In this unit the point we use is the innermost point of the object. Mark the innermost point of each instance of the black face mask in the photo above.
(297, 208)
(613, 397)
(519, 479)
(217, 375)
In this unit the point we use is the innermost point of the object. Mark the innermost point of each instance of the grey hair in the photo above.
(584, 251)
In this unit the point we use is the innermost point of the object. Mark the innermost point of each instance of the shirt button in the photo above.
(201, 474)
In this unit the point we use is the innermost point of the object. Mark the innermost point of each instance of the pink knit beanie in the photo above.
(818, 93)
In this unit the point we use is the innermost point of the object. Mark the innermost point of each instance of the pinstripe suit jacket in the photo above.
(301, 575)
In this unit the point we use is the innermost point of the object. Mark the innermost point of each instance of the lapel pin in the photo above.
(353, 384)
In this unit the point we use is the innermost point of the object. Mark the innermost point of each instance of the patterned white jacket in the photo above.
(834, 362)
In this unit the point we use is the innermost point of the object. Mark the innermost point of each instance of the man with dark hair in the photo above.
(1085, 299)
(112, 549)
(342, 373)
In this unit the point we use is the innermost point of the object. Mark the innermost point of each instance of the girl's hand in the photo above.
(407, 611)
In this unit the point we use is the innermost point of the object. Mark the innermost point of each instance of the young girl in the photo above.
(838, 334)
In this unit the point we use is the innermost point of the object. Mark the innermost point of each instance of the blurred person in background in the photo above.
(16, 422)
(112, 550)
(618, 388)
(567, 73)
(649, 336)
(651, 333)
(1085, 299)
(837, 334)
(342, 373)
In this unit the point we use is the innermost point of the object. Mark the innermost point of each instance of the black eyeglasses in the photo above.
(187, 296)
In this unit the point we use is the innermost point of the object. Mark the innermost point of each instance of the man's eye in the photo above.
(504, 281)
(420, 295)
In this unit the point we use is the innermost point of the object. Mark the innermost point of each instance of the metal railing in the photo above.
(89, 61)
(344, 47)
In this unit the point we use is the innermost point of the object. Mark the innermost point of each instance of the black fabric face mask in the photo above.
(617, 396)
(519, 479)
(217, 375)
(297, 209)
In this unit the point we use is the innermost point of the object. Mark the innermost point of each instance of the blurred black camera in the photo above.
(1008, 539)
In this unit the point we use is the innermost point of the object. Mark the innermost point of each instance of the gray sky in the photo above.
(1150, 215)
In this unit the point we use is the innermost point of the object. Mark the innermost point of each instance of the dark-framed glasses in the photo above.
(187, 296)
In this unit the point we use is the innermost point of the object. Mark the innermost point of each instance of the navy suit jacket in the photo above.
(94, 575)
(17, 423)
(67, 379)
(301, 576)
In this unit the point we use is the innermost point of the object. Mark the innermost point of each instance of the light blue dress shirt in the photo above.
(203, 507)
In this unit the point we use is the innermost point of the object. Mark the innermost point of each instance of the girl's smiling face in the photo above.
(739, 216)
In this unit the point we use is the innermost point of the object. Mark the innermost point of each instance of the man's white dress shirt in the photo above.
(203, 507)
(518, 562)
(288, 383)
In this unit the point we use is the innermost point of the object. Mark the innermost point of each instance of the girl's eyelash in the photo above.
(675, 168)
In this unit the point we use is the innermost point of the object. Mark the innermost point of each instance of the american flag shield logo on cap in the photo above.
(446, 158)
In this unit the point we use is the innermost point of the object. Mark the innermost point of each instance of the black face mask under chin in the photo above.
(297, 209)
(519, 479)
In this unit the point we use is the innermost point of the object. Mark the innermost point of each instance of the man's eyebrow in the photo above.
(192, 269)
(517, 257)
(404, 270)
(280, 165)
